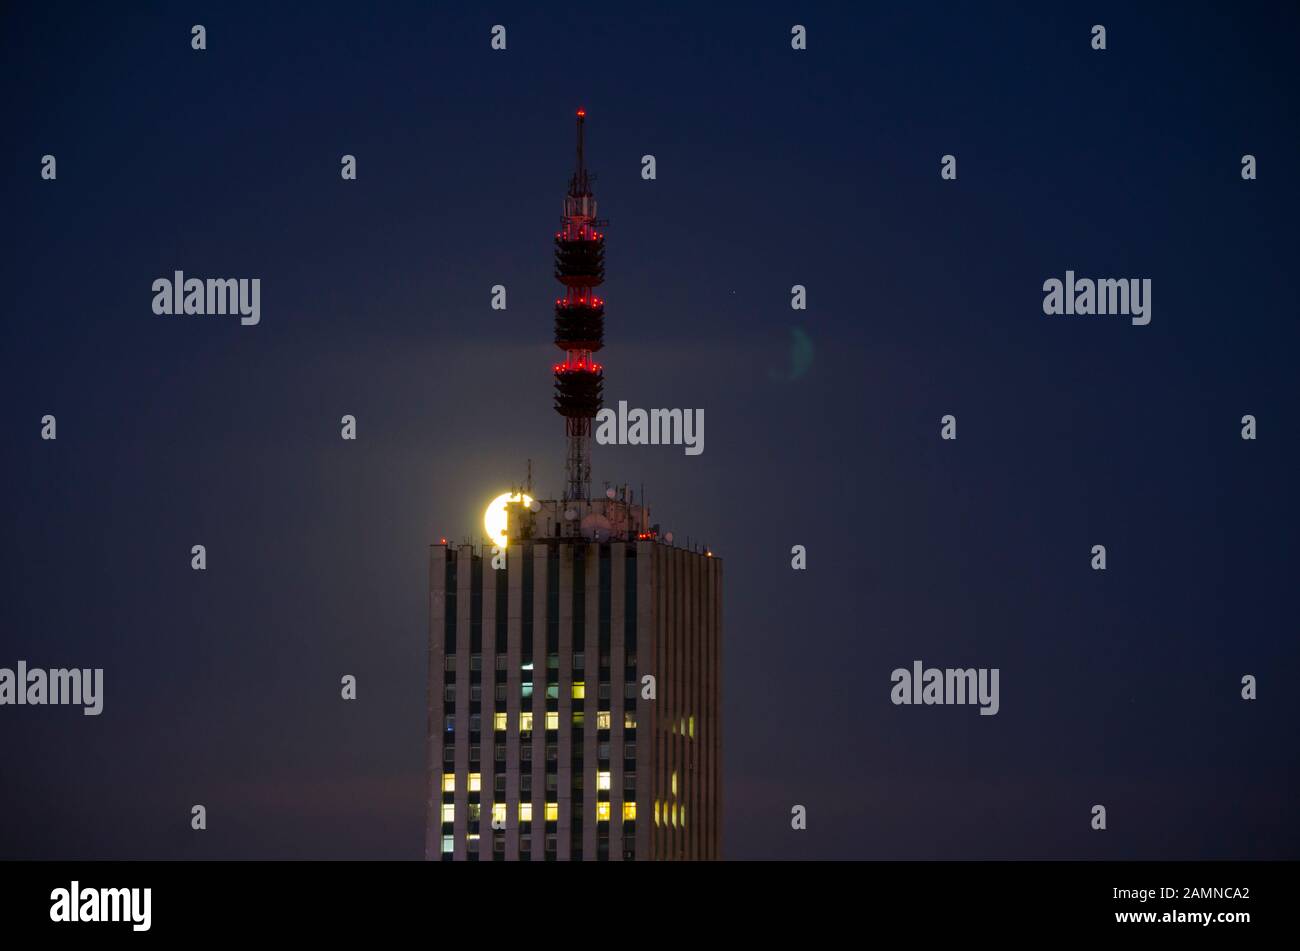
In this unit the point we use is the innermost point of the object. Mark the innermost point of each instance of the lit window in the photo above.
(691, 728)
(674, 815)
(448, 812)
(683, 816)
(527, 666)
(552, 691)
(499, 814)
(674, 786)
(526, 722)
(579, 690)
(525, 812)
(629, 720)
(448, 844)
(474, 812)
(552, 812)
(681, 727)
(552, 720)
(629, 811)
(499, 721)
(602, 812)
(473, 836)
(475, 780)
(527, 689)
(656, 812)
(602, 781)
(602, 720)
(448, 782)
(579, 718)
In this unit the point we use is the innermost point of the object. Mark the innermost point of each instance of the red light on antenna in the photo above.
(581, 113)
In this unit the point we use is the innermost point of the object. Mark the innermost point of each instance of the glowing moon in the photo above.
(494, 519)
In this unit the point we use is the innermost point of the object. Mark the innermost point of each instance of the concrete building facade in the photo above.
(574, 696)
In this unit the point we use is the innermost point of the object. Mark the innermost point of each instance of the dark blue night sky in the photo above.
(775, 168)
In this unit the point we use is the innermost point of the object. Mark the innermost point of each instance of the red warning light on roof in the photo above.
(581, 113)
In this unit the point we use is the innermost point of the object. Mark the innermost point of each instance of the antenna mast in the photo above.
(579, 324)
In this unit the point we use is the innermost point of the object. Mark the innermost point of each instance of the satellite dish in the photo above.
(570, 514)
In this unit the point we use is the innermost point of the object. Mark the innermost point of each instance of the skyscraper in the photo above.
(574, 705)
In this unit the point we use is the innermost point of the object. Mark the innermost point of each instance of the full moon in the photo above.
(494, 519)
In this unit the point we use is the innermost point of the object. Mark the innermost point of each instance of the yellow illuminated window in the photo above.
(691, 727)
(499, 721)
(552, 811)
(448, 782)
(674, 782)
(629, 720)
(683, 816)
(525, 812)
(629, 811)
(602, 812)
(602, 780)
(579, 718)
(681, 727)
(602, 720)
(656, 812)
(474, 782)
(525, 722)
(552, 720)
(448, 812)
(674, 815)
(498, 813)
(579, 690)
